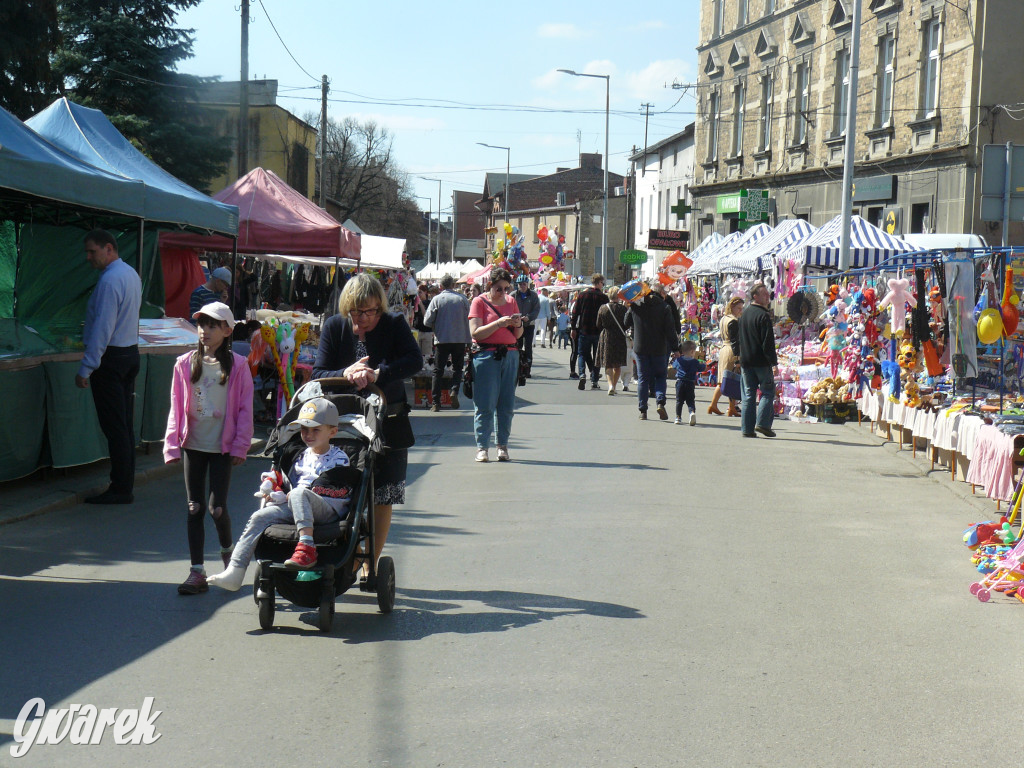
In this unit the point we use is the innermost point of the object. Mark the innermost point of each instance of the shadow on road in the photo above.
(420, 613)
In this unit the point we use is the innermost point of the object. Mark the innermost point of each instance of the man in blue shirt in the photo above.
(111, 360)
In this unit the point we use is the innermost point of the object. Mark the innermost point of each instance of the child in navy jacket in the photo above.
(687, 368)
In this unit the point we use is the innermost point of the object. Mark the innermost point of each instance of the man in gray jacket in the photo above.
(448, 315)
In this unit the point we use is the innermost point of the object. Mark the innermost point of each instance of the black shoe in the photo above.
(110, 497)
(582, 385)
(643, 415)
(522, 381)
(766, 431)
(593, 385)
(748, 434)
(573, 375)
(455, 399)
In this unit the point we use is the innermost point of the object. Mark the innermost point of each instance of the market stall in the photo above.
(50, 195)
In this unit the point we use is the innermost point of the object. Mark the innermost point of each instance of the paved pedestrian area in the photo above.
(622, 593)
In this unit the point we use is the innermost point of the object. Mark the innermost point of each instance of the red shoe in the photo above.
(302, 558)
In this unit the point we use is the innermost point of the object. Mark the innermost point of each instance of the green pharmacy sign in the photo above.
(632, 257)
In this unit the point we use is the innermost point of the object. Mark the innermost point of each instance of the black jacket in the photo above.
(654, 332)
(584, 311)
(391, 349)
(755, 338)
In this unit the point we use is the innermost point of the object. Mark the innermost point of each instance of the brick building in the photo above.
(773, 80)
(571, 199)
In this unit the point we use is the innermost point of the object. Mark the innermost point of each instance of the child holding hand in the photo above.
(209, 430)
(687, 368)
(319, 494)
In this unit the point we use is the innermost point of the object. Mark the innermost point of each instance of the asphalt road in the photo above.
(622, 593)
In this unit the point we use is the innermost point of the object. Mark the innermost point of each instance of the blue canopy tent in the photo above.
(760, 256)
(869, 246)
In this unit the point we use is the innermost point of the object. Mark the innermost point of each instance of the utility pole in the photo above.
(643, 162)
(323, 141)
(243, 98)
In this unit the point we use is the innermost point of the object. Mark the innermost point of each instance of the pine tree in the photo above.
(28, 33)
(119, 56)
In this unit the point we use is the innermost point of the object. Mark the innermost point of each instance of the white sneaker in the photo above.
(611, 392)
(678, 420)
(502, 453)
(230, 578)
(693, 419)
(481, 455)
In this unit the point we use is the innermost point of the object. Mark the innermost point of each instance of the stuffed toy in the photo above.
(272, 485)
(898, 297)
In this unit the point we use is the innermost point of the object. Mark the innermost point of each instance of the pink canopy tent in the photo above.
(273, 218)
(473, 277)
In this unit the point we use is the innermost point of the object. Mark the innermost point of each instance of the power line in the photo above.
(273, 27)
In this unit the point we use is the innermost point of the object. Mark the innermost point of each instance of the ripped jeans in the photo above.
(198, 465)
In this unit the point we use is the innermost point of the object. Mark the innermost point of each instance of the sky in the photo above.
(434, 75)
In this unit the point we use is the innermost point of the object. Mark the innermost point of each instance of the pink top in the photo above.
(237, 434)
(480, 310)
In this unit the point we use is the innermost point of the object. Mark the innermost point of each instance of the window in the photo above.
(718, 22)
(886, 79)
(713, 108)
(679, 199)
(803, 98)
(930, 68)
(737, 120)
(640, 218)
(668, 208)
(842, 91)
(767, 96)
(650, 213)
(742, 7)
(769, 7)
(659, 209)
(675, 156)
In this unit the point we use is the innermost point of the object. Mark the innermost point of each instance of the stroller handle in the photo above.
(336, 383)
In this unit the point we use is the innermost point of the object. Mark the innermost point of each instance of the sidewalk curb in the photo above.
(71, 498)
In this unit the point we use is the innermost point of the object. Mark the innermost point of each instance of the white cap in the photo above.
(222, 273)
(218, 310)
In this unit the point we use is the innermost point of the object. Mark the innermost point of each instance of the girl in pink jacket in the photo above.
(209, 429)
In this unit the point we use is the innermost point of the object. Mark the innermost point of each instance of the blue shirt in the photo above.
(112, 314)
(687, 368)
(200, 297)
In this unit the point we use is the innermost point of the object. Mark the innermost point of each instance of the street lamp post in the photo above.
(508, 160)
(437, 244)
(430, 202)
(604, 216)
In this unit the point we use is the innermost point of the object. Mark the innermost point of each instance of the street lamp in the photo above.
(604, 217)
(508, 159)
(437, 245)
(430, 202)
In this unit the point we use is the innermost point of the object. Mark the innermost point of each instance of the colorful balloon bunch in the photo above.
(284, 339)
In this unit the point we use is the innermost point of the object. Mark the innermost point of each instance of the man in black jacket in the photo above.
(584, 324)
(755, 345)
(654, 336)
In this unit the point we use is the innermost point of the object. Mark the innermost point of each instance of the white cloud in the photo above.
(561, 31)
(649, 83)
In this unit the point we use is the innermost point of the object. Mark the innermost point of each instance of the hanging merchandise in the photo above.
(1008, 308)
(898, 298)
(960, 309)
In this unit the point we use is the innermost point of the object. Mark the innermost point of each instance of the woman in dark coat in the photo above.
(612, 345)
(369, 345)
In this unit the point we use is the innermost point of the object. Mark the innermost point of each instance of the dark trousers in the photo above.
(526, 348)
(113, 392)
(198, 466)
(685, 394)
(588, 355)
(574, 352)
(443, 353)
(652, 378)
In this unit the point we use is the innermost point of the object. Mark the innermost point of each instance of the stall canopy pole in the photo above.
(234, 278)
(851, 135)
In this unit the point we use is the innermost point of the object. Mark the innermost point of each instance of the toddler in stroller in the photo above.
(325, 520)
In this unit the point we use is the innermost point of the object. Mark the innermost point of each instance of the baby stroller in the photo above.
(343, 543)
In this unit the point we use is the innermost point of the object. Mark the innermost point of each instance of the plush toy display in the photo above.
(898, 297)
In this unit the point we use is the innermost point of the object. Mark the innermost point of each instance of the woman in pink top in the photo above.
(495, 325)
(209, 428)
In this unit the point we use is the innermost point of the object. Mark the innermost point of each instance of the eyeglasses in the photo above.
(365, 312)
(506, 287)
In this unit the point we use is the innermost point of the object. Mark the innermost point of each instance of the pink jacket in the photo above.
(237, 435)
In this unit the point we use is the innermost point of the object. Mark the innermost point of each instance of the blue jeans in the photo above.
(588, 355)
(494, 396)
(651, 374)
(753, 379)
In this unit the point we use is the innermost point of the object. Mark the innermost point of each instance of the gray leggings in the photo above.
(303, 507)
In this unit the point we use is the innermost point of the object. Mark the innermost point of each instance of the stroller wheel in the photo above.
(326, 615)
(386, 584)
(975, 587)
(984, 595)
(266, 601)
